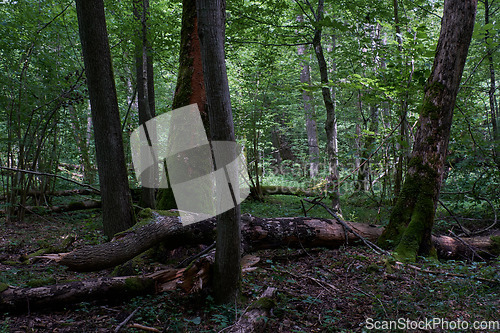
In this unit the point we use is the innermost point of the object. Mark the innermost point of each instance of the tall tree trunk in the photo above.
(115, 193)
(494, 113)
(211, 30)
(412, 218)
(330, 126)
(312, 136)
(145, 87)
(190, 85)
(401, 149)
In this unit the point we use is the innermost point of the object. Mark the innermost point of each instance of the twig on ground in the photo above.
(474, 252)
(144, 328)
(123, 323)
(187, 261)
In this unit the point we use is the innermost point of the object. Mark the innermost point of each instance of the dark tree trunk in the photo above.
(412, 219)
(145, 87)
(330, 126)
(190, 87)
(115, 193)
(211, 30)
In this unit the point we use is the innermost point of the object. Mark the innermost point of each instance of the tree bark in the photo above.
(211, 30)
(257, 234)
(254, 320)
(28, 299)
(412, 219)
(330, 125)
(494, 113)
(190, 279)
(190, 84)
(113, 179)
(363, 181)
(145, 88)
(310, 115)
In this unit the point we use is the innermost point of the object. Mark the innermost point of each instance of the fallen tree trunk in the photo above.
(62, 193)
(191, 279)
(257, 233)
(26, 299)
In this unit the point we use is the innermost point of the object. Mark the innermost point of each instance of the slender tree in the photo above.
(412, 219)
(115, 193)
(145, 85)
(331, 118)
(211, 30)
(312, 135)
(494, 114)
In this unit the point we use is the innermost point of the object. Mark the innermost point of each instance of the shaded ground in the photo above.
(319, 290)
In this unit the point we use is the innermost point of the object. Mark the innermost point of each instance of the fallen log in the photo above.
(257, 233)
(79, 205)
(27, 299)
(191, 279)
(62, 193)
(254, 319)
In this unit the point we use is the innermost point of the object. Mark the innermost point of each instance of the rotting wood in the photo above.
(191, 279)
(257, 234)
(254, 318)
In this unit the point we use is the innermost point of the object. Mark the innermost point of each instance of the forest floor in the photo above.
(350, 289)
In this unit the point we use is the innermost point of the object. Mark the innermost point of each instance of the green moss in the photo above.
(265, 303)
(3, 286)
(146, 213)
(41, 282)
(137, 284)
(432, 91)
(168, 212)
(413, 215)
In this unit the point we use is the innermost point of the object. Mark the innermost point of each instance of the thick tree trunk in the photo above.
(190, 279)
(211, 30)
(331, 120)
(257, 234)
(28, 299)
(190, 87)
(412, 219)
(113, 179)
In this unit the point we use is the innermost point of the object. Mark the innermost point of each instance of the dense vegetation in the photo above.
(379, 55)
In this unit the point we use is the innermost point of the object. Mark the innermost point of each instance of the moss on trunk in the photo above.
(411, 221)
(190, 87)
